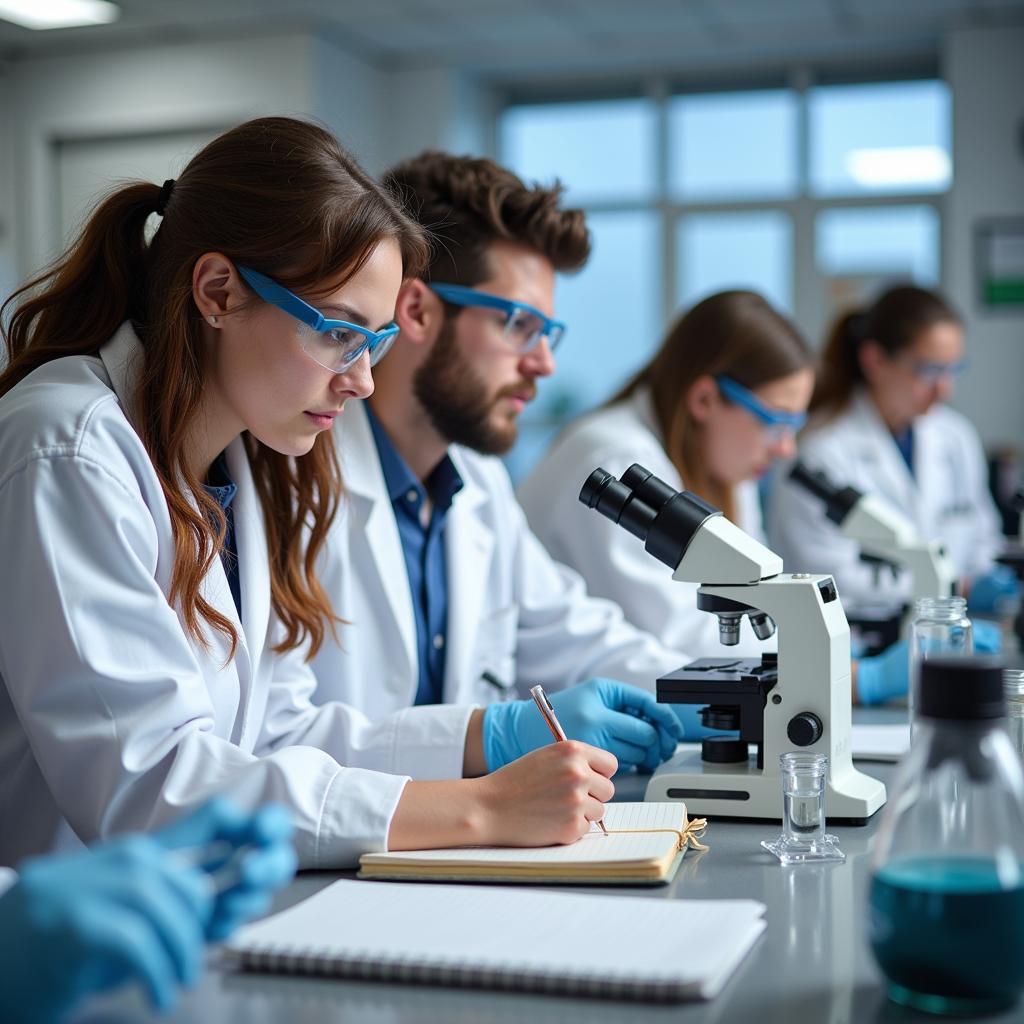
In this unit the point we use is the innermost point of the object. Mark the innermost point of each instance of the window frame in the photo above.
(808, 282)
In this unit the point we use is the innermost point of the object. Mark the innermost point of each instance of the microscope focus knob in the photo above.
(804, 729)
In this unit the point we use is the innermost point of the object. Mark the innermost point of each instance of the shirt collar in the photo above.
(219, 484)
(443, 483)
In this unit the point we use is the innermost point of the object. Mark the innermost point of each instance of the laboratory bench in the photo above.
(812, 965)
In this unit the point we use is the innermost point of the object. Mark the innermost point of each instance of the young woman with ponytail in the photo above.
(880, 423)
(167, 480)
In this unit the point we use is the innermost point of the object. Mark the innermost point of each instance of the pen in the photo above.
(219, 851)
(540, 698)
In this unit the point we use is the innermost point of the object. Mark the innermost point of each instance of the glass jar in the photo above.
(946, 918)
(1013, 688)
(941, 628)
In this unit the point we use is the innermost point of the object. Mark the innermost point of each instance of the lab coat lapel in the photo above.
(894, 477)
(122, 358)
(373, 519)
(469, 545)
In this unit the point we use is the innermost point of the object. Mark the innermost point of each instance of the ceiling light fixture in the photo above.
(40, 14)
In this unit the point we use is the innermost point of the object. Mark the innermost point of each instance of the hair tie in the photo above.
(165, 195)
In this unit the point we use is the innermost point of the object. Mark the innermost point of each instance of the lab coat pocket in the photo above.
(495, 656)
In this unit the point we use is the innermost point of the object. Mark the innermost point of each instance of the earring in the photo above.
(213, 319)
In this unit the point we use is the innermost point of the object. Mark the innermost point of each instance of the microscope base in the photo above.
(746, 791)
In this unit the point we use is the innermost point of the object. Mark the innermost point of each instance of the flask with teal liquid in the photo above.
(946, 916)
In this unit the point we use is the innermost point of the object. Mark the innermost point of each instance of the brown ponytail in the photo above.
(893, 322)
(736, 333)
(279, 195)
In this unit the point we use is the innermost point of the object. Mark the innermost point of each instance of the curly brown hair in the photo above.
(469, 203)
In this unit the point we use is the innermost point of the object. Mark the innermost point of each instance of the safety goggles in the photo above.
(777, 422)
(931, 373)
(525, 325)
(335, 344)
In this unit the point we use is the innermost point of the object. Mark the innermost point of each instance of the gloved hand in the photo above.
(988, 638)
(622, 719)
(998, 585)
(267, 863)
(88, 922)
(693, 728)
(884, 676)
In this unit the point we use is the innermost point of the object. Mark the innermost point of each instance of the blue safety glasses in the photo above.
(776, 421)
(335, 344)
(930, 373)
(524, 325)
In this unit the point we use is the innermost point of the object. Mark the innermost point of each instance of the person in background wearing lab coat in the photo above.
(880, 423)
(718, 403)
(455, 607)
(167, 477)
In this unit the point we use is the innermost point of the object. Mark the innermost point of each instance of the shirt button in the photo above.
(411, 496)
(438, 641)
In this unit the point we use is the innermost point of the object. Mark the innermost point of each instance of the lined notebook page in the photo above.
(692, 943)
(594, 848)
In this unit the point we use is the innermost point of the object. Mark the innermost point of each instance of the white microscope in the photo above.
(797, 699)
(883, 535)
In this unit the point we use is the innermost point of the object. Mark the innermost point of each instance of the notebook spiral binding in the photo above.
(510, 977)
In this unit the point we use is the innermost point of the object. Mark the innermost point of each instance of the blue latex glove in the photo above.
(267, 863)
(998, 585)
(693, 728)
(884, 676)
(988, 638)
(622, 719)
(88, 922)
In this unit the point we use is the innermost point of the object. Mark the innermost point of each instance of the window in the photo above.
(717, 251)
(733, 145)
(599, 150)
(878, 139)
(814, 197)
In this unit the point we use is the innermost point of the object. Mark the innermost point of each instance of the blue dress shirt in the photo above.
(223, 489)
(905, 443)
(426, 562)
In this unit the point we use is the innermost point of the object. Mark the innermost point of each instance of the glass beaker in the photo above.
(803, 836)
(947, 887)
(940, 629)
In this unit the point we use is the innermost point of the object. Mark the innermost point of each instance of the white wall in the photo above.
(8, 273)
(985, 69)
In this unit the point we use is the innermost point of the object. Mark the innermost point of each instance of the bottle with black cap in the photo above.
(946, 918)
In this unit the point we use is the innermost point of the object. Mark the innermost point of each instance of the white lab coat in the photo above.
(947, 498)
(111, 718)
(512, 611)
(611, 560)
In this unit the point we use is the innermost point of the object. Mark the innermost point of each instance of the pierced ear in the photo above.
(702, 398)
(216, 289)
(418, 312)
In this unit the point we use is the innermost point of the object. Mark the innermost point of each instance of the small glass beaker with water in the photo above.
(1013, 689)
(803, 835)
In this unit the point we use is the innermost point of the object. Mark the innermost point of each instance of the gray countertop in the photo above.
(811, 966)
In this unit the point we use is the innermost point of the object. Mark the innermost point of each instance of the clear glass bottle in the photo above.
(1013, 688)
(946, 919)
(941, 628)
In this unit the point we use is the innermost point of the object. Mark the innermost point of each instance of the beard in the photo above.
(456, 400)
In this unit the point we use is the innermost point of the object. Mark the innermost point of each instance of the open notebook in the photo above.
(626, 947)
(629, 857)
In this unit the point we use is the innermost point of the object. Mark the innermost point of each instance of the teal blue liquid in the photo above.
(947, 935)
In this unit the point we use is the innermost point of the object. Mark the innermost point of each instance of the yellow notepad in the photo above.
(628, 855)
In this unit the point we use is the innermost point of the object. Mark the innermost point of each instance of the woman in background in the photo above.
(880, 423)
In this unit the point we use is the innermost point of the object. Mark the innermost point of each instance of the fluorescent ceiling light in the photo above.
(899, 165)
(58, 13)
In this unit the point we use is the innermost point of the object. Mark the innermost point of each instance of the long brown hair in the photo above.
(893, 322)
(735, 333)
(276, 194)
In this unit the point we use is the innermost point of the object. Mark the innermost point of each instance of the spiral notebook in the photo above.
(644, 846)
(622, 947)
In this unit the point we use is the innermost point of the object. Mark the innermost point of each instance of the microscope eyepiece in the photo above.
(839, 501)
(664, 519)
